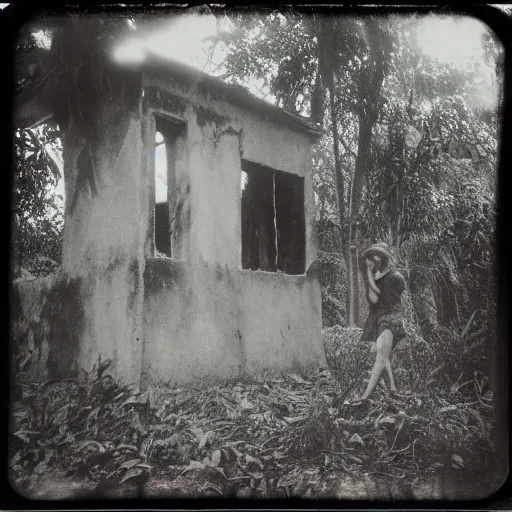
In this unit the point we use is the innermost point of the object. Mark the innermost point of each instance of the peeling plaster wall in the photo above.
(204, 316)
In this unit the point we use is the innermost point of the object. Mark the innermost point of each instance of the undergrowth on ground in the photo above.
(262, 436)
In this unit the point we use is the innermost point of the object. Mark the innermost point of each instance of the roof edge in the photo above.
(239, 95)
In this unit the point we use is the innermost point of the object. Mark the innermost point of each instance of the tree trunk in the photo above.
(325, 34)
(370, 84)
(340, 196)
(317, 101)
(360, 171)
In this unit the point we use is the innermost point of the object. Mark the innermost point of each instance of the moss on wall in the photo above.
(163, 273)
(206, 116)
(63, 310)
(221, 124)
(160, 98)
(134, 278)
(52, 318)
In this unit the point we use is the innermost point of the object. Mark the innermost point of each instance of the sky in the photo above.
(455, 41)
(451, 40)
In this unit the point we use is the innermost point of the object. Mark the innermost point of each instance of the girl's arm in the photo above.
(373, 291)
(373, 297)
(371, 282)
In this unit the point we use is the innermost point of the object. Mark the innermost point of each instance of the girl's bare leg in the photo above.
(385, 380)
(390, 379)
(384, 348)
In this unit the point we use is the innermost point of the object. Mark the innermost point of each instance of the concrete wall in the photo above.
(205, 320)
(103, 240)
(204, 316)
(159, 318)
(67, 322)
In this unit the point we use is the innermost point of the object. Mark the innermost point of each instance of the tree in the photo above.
(440, 140)
(37, 215)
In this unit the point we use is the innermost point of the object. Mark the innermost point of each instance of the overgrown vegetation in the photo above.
(37, 216)
(262, 437)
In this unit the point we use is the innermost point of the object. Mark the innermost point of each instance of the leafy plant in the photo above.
(37, 216)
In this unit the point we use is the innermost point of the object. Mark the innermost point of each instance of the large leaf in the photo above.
(130, 464)
(132, 473)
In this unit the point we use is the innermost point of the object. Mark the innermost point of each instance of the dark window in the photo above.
(258, 228)
(290, 222)
(273, 223)
(167, 229)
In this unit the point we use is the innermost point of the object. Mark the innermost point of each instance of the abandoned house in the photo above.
(215, 276)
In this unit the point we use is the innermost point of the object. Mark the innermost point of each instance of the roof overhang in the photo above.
(234, 94)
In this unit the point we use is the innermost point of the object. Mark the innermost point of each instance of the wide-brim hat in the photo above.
(381, 249)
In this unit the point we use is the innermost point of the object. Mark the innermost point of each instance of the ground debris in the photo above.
(260, 437)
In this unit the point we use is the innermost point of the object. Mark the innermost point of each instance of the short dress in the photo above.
(386, 313)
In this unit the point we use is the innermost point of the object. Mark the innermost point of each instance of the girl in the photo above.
(384, 324)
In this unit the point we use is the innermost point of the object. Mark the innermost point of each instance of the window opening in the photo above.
(273, 220)
(167, 228)
(162, 232)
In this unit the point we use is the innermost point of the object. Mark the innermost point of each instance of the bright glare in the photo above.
(451, 39)
(184, 41)
(457, 41)
(130, 51)
(42, 39)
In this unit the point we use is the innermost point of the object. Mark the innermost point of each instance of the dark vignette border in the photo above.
(15, 15)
